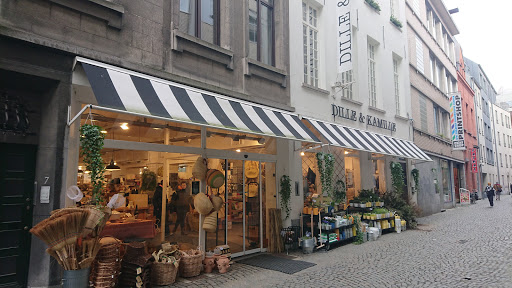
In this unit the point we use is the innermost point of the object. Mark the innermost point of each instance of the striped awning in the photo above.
(128, 91)
(342, 136)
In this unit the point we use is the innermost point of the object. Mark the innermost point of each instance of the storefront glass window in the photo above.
(118, 126)
(239, 142)
(136, 210)
(445, 171)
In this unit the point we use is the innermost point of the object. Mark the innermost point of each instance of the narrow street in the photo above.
(462, 247)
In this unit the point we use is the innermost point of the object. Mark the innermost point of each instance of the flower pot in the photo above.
(209, 264)
(310, 210)
(223, 264)
(315, 211)
(305, 210)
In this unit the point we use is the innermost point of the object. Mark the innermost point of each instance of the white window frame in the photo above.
(396, 81)
(348, 77)
(310, 44)
(372, 75)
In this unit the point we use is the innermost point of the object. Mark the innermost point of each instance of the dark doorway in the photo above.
(17, 171)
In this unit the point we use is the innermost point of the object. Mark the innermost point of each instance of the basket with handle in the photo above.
(191, 263)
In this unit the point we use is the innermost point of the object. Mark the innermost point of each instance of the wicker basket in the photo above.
(210, 222)
(191, 263)
(203, 204)
(163, 273)
(217, 203)
(199, 170)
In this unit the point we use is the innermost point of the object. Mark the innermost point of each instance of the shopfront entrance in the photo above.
(249, 193)
(17, 170)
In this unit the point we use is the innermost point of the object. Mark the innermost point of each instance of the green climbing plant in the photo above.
(339, 192)
(285, 193)
(397, 177)
(325, 163)
(91, 142)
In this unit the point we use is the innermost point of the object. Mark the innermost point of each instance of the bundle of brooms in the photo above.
(72, 235)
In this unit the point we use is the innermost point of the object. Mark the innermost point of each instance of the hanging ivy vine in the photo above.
(285, 193)
(415, 173)
(325, 163)
(91, 141)
(339, 192)
(397, 177)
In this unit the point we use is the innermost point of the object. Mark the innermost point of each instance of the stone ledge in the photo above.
(351, 101)
(184, 42)
(316, 89)
(377, 109)
(273, 74)
(110, 12)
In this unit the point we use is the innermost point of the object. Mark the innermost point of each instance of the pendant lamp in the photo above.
(112, 166)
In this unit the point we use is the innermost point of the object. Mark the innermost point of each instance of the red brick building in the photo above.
(470, 130)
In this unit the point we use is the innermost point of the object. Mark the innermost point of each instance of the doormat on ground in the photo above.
(267, 261)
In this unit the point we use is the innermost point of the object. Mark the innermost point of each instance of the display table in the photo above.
(139, 229)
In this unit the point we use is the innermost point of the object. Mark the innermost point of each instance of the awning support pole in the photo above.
(70, 121)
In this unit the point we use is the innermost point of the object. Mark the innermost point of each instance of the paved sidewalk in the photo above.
(463, 247)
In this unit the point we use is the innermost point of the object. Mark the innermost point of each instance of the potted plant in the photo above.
(307, 243)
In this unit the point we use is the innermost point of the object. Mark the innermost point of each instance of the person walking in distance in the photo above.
(497, 188)
(490, 193)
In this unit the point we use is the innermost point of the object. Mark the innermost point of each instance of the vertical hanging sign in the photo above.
(474, 161)
(344, 31)
(456, 122)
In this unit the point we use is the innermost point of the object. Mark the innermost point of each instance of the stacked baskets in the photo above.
(135, 268)
(107, 265)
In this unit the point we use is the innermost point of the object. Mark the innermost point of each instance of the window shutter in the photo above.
(419, 55)
(423, 113)
(416, 6)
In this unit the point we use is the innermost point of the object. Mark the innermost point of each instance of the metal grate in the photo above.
(309, 161)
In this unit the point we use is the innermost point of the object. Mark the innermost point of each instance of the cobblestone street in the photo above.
(462, 247)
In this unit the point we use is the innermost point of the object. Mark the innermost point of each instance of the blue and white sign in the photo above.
(456, 122)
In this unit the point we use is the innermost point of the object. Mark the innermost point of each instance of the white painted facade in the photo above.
(314, 98)
(503, 145)
(369, 26)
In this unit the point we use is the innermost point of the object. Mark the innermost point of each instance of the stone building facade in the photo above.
(238, 49)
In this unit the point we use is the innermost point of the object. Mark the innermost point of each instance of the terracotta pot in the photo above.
(209, 264)
(223, 264)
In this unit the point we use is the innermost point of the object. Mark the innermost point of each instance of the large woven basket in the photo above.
(191, 263)
(203, 204)
(163, 273)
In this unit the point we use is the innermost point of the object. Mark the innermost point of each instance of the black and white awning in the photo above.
(342, 136)
(128, 91)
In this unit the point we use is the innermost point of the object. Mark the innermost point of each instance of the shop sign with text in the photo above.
(370, 120)
(474, 161)
(344, 35)
(456, 122)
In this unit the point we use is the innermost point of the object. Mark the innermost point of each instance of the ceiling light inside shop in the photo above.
(112, 166)
(346, 152)
(238, 150)
(302, 153)
(104, 131)
(124, 126)
(261, 141)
